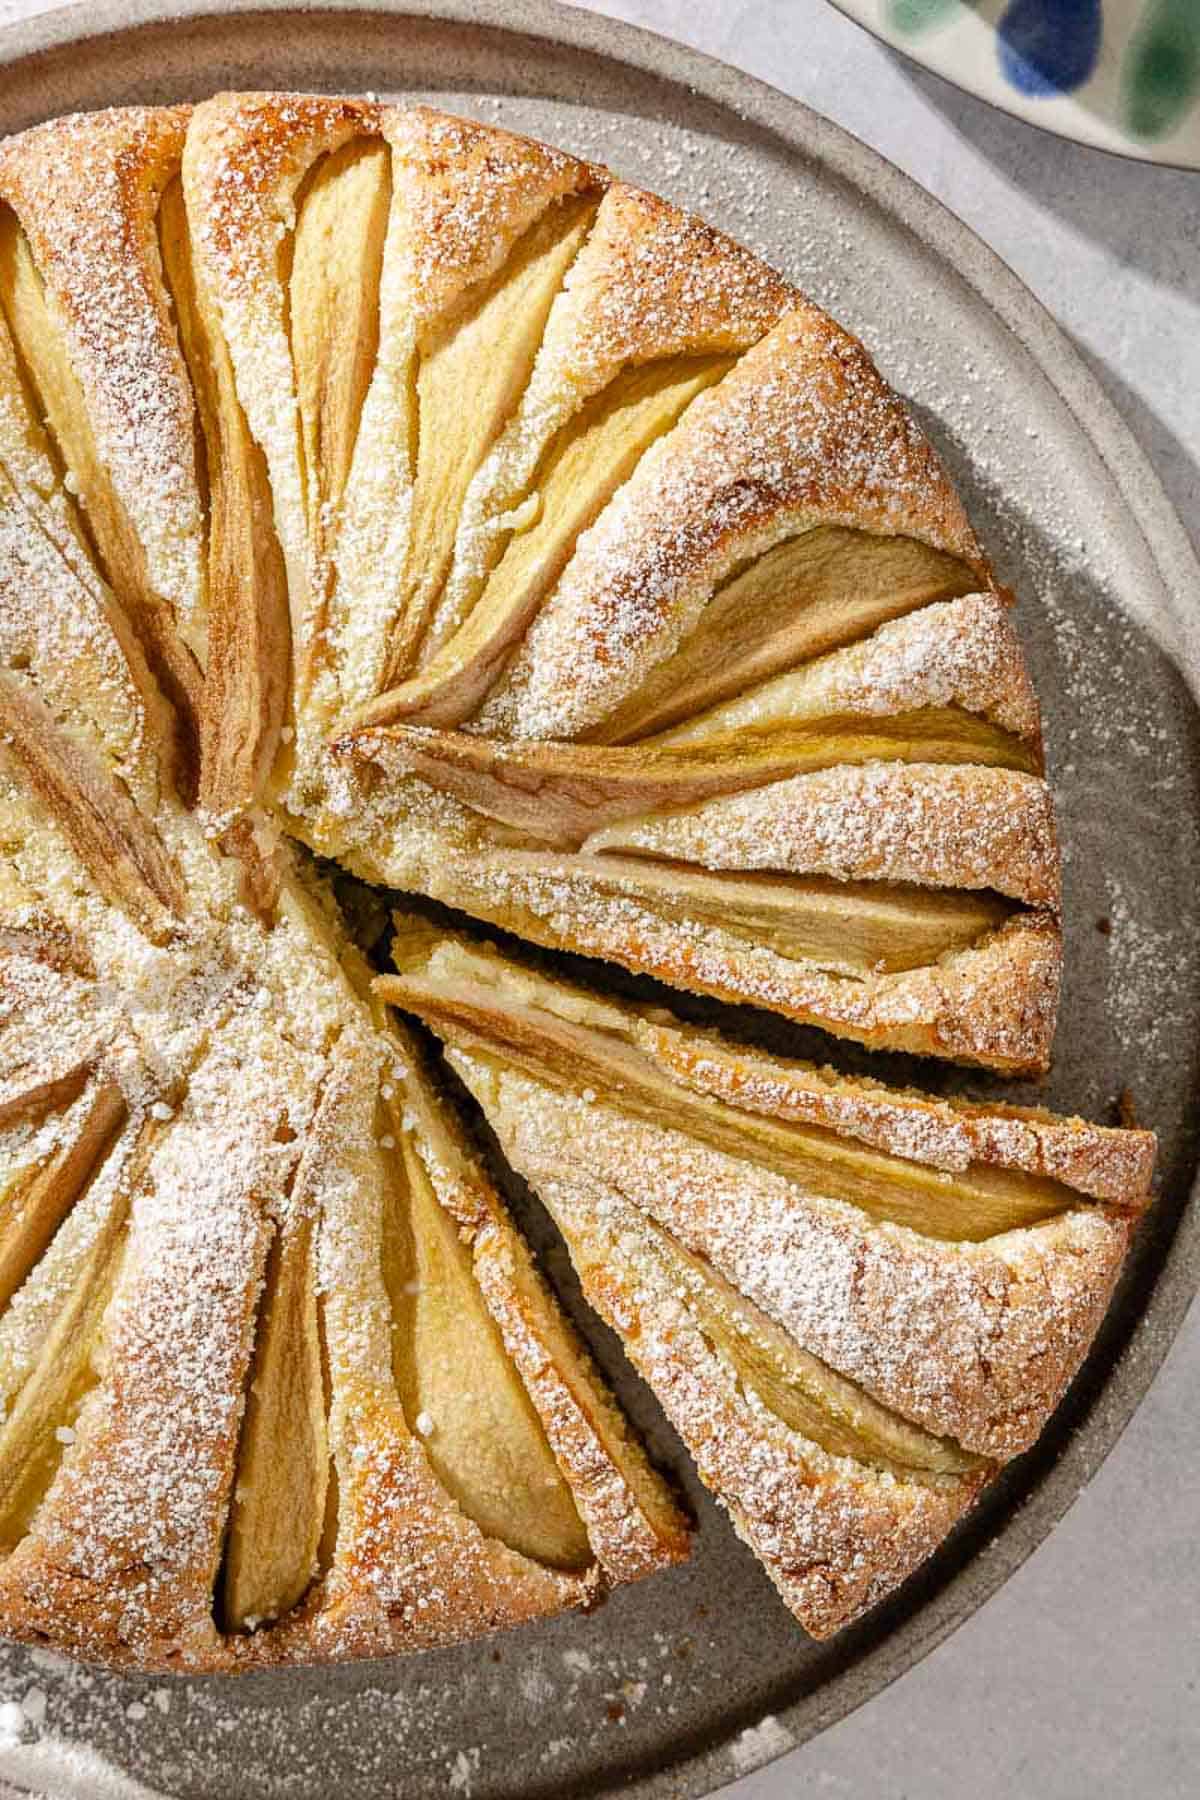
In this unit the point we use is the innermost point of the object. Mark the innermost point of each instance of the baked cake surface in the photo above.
(377, 484)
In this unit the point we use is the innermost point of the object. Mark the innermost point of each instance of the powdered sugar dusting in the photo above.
(365, 1730)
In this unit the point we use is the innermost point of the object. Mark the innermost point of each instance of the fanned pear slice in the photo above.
(35, 1434)
(81, 287)
(471, 208)
(119, 847)
(405, 1567)
(939, 825)
(802, 433)
(743, 861)
(947, 656)
(242, 236)
(483, 1001)
(808, 1396)
(854, 929)
(44, 1167)
(337, 256)
(484, 348)
(99, 1211)
(461, 1390)
(27, 453)
(61, 628)
(599, 1475)
(583, 468)
(1096, 1161)
(564, 792)
(827, 586)
(247, 631)
(278, 1509)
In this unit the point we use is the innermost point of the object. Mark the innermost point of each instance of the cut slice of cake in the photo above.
(854, 1302)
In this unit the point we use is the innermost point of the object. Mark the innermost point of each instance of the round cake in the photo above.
(391, 503)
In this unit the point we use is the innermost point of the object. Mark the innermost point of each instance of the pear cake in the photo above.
(384, 493)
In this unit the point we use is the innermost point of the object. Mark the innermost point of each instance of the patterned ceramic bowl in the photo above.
(1122, 74)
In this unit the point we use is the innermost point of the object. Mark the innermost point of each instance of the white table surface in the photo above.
(1078, 1681)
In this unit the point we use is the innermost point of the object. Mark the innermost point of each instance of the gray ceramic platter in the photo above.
(676, 1687)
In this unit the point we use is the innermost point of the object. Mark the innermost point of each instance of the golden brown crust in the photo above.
(469, 191)
(652, 281)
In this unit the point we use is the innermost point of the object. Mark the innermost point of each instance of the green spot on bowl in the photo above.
(910, 17)
(1161, 76)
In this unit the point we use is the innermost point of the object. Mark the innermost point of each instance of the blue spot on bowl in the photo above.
(1049, 46)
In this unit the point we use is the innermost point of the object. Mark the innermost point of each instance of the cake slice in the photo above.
(865, 842)
(854, 1302)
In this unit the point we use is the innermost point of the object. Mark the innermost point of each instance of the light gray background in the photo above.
(1079, 1678)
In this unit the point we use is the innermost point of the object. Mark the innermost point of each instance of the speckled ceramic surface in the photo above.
(1121, 74)
(678, 1686)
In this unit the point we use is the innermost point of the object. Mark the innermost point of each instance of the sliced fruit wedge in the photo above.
(579, 473)
(808, 1396)
(42, 1423)
(483, 1001)
(333, 307)
(277, 1515)
(45, 356)
(118, 846)
(826, 587)
(484, 348)
(459, 1387)
(248, 634)
(564, 792)
(44, 1167)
